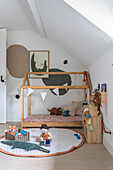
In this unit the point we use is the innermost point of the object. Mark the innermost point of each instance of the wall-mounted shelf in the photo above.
(104, 97)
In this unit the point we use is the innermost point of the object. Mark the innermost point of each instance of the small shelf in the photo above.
(104, 97)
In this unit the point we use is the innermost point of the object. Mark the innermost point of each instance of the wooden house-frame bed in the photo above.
(52, 124)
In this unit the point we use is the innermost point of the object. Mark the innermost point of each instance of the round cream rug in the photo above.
(64, 141)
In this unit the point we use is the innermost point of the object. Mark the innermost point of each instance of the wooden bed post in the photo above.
(29, 98)
(22, 106)
(89, 97)
(29, 105)
(89, 86)
(85, 95)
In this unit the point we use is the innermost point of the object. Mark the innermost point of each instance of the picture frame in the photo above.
(104, 87)
(39, 62)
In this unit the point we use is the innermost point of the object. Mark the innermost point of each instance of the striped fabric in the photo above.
(52, 118)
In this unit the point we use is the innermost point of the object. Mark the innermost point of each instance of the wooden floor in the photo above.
(88, 157)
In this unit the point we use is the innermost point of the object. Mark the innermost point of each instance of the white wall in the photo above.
(101, 71)
(33, 41)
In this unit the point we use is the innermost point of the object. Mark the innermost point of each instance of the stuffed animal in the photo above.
(11, 130)
(45, 135)
(24, 145)
(55, 111)
(96, 98)
(66, 113)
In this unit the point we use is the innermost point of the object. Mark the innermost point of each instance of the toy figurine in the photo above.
(45, 135)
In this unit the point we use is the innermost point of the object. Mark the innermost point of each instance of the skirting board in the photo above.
(108, 143)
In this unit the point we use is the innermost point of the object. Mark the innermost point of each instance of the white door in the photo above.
(2, 75)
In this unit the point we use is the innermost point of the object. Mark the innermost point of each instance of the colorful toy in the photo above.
(24, 145)
(11, 130)
(21, 132)
(55, 111)
(45, 135)
(41, 143)
(47, 142)
(66, 113)
(86, 111)
(78, 136)
(88, 115)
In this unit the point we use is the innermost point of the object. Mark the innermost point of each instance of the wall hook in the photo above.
(2, 79)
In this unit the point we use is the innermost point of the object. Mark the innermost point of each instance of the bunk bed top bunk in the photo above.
(50, 120)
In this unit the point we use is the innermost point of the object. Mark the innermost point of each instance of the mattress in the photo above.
(52, 118)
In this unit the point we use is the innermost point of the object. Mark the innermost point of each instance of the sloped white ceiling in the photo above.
(56, 20)
(99, 12)
(72, 31)
(14, 17)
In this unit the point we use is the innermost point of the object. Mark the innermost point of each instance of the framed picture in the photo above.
(39, 62)
(104, 87)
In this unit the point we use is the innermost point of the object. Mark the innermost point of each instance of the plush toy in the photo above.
(55, 111)
(11, 130)
(45, 135)
(66, 113)
(96, 98)
(24, 145)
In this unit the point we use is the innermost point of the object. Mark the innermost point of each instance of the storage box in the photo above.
(22, 137)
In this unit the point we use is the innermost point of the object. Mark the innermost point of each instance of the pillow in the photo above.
(79, 108)
(70, 108)
(74, 104)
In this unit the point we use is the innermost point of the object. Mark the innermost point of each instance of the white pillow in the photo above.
(78, 108)
(70, 108)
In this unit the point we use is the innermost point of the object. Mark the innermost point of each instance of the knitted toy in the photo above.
(45, 135)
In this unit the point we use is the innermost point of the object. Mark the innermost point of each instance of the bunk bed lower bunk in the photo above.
(52, 120)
